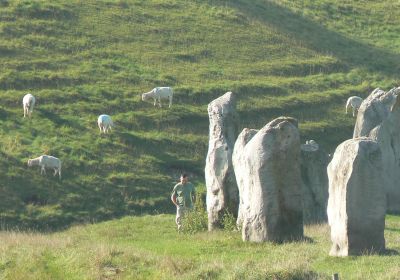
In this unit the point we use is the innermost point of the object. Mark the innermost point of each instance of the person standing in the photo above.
(183, 196)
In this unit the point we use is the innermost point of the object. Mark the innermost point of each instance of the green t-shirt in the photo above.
(183, 193)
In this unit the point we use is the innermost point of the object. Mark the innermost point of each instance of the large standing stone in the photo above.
(222, 190)
(272, 168)
(379, 119)
(314, 161)
(373, 111)
(242, 181)
(357, 203)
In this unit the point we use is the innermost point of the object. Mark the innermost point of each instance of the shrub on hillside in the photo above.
(196, 220)
(228, 221)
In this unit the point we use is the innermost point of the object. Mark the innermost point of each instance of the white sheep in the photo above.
(46, 161)
(28, 102)
(159, 93)
(355, 103)
(310, 146)
(105, 123)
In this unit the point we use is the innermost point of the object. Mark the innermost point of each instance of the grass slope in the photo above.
(85, 58)
(149, 247)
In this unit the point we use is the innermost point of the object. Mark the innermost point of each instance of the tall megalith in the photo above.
(271, 166)
(357, 203)
(313, 162)
(242, 181)
(379, 119)
(222, 190)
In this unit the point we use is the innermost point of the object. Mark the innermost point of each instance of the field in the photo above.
(85, 58)
(149, 247)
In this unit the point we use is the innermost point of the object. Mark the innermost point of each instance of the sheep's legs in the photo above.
(57, 170)
(103, 128)
(43, 170)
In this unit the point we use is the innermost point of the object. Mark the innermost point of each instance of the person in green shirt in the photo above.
(183, 196)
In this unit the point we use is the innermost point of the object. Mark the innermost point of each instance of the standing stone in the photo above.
(242, 181)
(373, 111)
(379, 119)
(272, 168)
(357, 203)
(222, 190)
(314, 161)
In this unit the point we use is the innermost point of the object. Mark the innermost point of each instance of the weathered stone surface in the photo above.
(222, 190)
(272, 168)
(373, 111)
(379, 119)
(314, 161)
(357, 203)
(242, 181)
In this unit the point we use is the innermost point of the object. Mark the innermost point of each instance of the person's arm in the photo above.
(193, 194)
(173, 198)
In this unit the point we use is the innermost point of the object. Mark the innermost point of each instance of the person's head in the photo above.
(184, 178)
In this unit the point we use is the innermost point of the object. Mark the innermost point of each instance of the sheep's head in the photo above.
(29, 162)
(144, 97)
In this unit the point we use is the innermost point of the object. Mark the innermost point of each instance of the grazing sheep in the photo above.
(44, 162)
(105, 123)
(29, 102)
(159, 93)
(310, 146)
(355, 103)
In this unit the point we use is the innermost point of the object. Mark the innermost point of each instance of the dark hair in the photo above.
(184, 175)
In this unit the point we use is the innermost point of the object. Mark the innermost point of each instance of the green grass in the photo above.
(148, 247)
(85, 58)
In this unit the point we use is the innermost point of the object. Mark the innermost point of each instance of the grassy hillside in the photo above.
(149, 247)
(85, 58)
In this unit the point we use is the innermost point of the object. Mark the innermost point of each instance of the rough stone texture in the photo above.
(242, 181)
(379, 119)
(314, 161)
(357, 203)
(373, 111)
(272, 168)
(222, 190)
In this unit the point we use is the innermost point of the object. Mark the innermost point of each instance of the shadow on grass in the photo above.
(393, 229)
(308, 240)
(390, 252)
(319, 38)
(25, 221)
(30, 201)
(295, 275)
(159, 149)
(58, 120)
